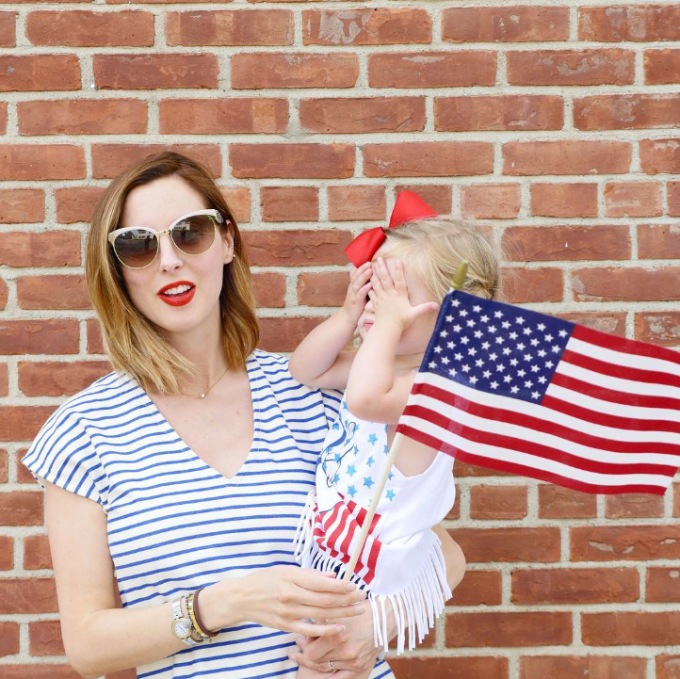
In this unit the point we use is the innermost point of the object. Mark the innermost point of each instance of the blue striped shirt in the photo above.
(174, 523)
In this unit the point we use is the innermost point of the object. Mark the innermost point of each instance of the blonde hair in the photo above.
(132, 342)
(434, 247)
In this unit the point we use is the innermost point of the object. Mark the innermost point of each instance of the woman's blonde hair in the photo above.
(434, 247)
(132, 342)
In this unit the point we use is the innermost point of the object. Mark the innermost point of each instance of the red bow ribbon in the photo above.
(408, 208)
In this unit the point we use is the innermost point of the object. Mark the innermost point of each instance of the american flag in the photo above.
(518, 391)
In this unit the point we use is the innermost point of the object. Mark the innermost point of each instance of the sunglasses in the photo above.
(137, 246)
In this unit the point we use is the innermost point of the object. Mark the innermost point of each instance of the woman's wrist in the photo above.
(220, 605)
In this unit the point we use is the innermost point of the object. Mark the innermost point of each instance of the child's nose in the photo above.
(369, 306)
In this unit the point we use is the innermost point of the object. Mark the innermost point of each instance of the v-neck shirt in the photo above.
(174, 523)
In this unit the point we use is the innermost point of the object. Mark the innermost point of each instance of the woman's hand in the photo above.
(390, 296)
(357, 293)
(284, 598)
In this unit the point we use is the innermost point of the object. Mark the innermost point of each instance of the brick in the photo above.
(155, 71)
(627, 112)
(40, 162)
(21, 206)
(76, 204)
(238, 200)
(304, 247)
(450, 668)
(574, 667)
(4, 391)
(243, 115)
(284, 334)
(555, 502)
(229, 27)
(509, 112)
(463, 470)
(322, 289)
(633, 199)
(289, 203)
(478, 588)
(508, 629)
(3, 117)
(95, 343)
(23, 475)
(4, 294)
(575, 586)
(44, 638)
(662, 67)
(81, 28)
(498, 502)
(629, 543)
(454, 512)
(270, 290)
(490, 201)
(524, 286)
(53, 336)
(292, 161)
(634, 506)
(676, 499)
(432, 69)
(660, 155)
(564, 200)
(6, 556)
(614, 284)
(57, 378)
(505, 24)
(490, 545)
(255, 71)
(7, 29)
(366, 26)
(109, 160)
(566, 157)
(21, 508)
(363, 115)
(622, 629)
(110, 116)
(612, 322)
(673, 189)
(428, 159)
(642, 23)
(22, 423)
(35, 595)
(46, 671)
(9, 638)
(659, 327)
(37, 553)
(566, 243)
(667, 666)
(436, 196)
(356, 203)
(124, 674)
(39, 72)
(663, 585)
(52, 292)
(572, 67)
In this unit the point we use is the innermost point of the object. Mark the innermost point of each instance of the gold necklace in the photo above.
(205, 393)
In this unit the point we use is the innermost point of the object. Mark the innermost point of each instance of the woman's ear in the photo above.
(228, 241)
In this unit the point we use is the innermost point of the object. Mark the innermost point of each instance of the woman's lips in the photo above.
(177, 299)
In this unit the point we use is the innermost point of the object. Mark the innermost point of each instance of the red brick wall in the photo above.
(555, 123)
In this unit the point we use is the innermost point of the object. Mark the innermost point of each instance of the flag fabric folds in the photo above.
(519, 391)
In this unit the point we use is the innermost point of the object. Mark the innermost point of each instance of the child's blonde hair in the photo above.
(433, 248)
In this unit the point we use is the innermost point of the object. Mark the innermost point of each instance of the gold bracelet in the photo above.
(194, 622)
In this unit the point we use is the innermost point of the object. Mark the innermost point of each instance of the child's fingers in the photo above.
(426, 308)
(384, 274)
(360, 271)
(363, 293)
(398, 275)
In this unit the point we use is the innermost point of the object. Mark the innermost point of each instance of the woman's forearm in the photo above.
(453, 556)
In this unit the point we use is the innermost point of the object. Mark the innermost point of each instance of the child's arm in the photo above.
(320, 361)
(374, 392)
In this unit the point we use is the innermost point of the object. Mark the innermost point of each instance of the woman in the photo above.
(183, 473)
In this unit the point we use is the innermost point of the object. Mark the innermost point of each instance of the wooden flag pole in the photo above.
(457, 284)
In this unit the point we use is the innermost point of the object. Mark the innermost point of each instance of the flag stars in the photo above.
(500, 367)
(555, 349)
(542, 379)
(471, 323)
(521, 346)
(535, 394)
(464, 340)
(458, 356)
(528, 384)
(527, 330)
(445, 360)
(477, 308)
(463, 312)
(449, 319)
(479, 362)
(457, 328)
(487, 374)
(513, 335)
(443, 333)
(493, 328)
(478, 334)
(534, 342)
(437, 350)
(534, 368)
(514, 389)
(484, 318)
(472, 351)
(507, 378)
(450, 345)
(528, 357)
(493, 356)
(453, 372)
(473, 379)
(485, 346)
(513, 362)
(541, 326)
(498, 313)
(548, 338)
(494, 385)
(519, 320)
(563, 333)
(521, 373)
(466, 368)
(432, 365)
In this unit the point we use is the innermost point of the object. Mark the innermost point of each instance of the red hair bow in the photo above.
(408, 208)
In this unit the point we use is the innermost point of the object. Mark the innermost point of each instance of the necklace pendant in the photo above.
(202, 395)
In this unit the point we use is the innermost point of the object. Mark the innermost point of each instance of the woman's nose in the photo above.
(170, 259)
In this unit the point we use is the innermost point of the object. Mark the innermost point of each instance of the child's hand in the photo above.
(390, 296)
(357, 292)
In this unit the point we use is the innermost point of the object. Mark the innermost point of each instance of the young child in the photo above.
(393, 296)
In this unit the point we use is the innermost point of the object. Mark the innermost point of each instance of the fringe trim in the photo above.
(415, 607)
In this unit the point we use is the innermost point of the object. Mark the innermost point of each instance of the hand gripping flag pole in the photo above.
(458, 281)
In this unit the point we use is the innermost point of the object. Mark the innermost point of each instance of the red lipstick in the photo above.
(177, 299)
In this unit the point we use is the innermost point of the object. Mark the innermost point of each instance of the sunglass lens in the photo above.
(194, 234)
(136, 247)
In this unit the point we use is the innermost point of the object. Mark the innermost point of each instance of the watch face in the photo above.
(181, 628)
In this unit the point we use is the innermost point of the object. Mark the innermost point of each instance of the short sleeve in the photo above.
(62, 453)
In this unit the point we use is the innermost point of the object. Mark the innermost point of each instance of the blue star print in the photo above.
(352, 491)
(370, 461)
(368, 481)
(390, 495)
(351, 470)
(372, 439)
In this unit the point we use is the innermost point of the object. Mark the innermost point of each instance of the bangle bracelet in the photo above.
(197, 616)
(194, 623)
